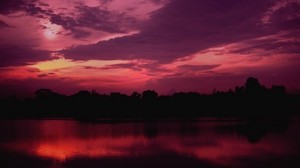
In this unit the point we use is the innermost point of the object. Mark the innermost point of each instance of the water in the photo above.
(203, 143)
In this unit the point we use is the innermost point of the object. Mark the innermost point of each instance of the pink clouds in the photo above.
(104, 76)
(157, 44)
(19, 55)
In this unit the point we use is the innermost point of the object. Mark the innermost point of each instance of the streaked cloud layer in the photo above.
(166, 45)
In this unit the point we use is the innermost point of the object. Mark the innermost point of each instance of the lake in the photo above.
(198, 143)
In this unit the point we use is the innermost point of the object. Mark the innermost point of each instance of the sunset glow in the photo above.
(69, 148)
(59, 140)
(49, 34)
(136, 45)
(54, 64)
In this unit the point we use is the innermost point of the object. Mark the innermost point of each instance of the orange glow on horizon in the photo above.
(54, 64)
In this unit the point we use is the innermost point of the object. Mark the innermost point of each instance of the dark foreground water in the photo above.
(167, 144)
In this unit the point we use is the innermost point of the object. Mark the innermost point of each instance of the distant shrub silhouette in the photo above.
(252, 99)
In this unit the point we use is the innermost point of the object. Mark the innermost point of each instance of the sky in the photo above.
(134, 45)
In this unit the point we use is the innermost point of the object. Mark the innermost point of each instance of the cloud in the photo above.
(180, 29)
(12, 55)
(174, 31)
(28, 6)
(286, 16)
(9, 6)
(50, 74)
(132, 66)
(77, 33)
(170, 42)
(94, 18)
(197, 67)
(285, 42)
(159, 1)
(82, 16)
(3, 24)
(150, 68)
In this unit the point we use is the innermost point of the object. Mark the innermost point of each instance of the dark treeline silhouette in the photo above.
(250, 100)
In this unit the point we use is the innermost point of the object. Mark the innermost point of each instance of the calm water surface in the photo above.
(203, 143)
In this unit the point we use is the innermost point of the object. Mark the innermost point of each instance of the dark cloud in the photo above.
(178, 29)
(51, 74)
(104, 20)
(77, 33)
(182, 28)
(33, 70)
(90, 67)
(94, 18)
(285, 43)
(28, 6)
(114, 66)
(42, 75)
(132, 66)
(10, 6)
(104, 2)
(159, 1)
(286, 18)
(151, 69)
(43, 4)
(197, 67)
(3, 24)
(271, 48)
(12, 55)
(84, 16)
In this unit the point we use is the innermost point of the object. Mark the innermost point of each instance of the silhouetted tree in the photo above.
(252, 99)
(82, 94)
(240, 90)
(94, 93)
(278, 90)
(149, 95)
(253, 86)
(44, 93)
(136, 95)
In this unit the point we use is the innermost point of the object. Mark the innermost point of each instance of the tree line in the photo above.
(251, 99)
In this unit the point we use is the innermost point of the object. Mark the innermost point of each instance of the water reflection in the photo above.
(67, 143)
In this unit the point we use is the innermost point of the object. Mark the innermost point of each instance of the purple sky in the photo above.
(133, 45)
